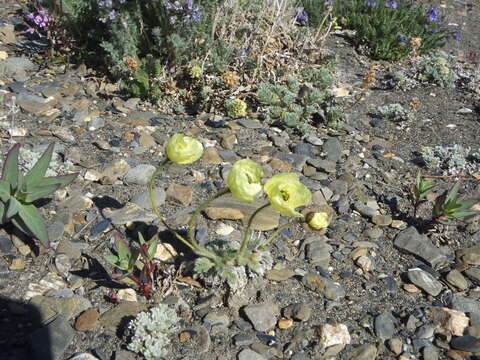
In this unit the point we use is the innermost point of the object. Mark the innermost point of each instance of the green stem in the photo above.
(246, 234)
(280, 229)
(198, 210)
(193, 246)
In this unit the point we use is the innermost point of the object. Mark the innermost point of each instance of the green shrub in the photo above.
(392, 29)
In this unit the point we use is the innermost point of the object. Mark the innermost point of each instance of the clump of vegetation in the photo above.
(394, 112)
(436, 69)
(293, 103)
(451, 159)
(151, 331)
(447, 207)
(393, 29)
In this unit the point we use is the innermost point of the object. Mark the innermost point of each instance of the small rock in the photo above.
(318, 252)
(112, 172)
(216, 213)
(363, 352)
(58, 334)
(143, 199)
(127, 295)
(111, 319)
(299, 312)
(279, 274)
(247, 354)
(139, 175)
(452, 321)
(331, 335)
(456, 279)
(465, 304)
(430, 353)
(262, 316)
(146, 140)
(17, 264)
(63, 265)
(466, 343)
(129, 213)
(420, 245)
(217, 322)
(87, 320)
(382, 220)
(285, 323)
(384, 326)
(165, 252)
(331, 290)
(395, 345)
(425, 281)
(333, 148)
(181, 193)
(210, 156)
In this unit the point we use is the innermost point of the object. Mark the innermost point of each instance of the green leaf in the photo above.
(53, 180)
(10, 168)
(4, 190)
(38, 170)
(202, 265)
(13, 208)
(152, 247)
(112, 259)
(29, 218)
(38, 192)
(123, 249)
(2, 213)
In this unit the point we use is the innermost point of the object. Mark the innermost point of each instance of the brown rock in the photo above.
(181, 193)
(7, 34)
(218, 213)
(210, 156)
(453, 321)
(114, 171)
(280, 165)
(228, 141)
(285, 323)
(279, 275)
(87, 320)
(146, 140)
(17, 264)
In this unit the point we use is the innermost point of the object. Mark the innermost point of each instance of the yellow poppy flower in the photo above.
(244, 180)
(318, 220)
(286, 192)
(183, 149)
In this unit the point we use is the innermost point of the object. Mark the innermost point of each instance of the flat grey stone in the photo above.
(140, 174)
(247, 354)
(363, 352)
(50, 342)
(420, 245)
(466, 343)
(262, 316)
(465, 304)
(143, 199)
(129, 213)
(333, 148)
(318, 252)
(424, 281)
(385, 326)
(250, 124)
(323, 165)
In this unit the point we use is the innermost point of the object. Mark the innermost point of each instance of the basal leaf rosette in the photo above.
(286, 193)
(183, 149)
(244, 180)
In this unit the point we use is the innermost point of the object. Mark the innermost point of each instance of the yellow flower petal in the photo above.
(286, 193)
(318, 220)
(244, 180)
(183, 149)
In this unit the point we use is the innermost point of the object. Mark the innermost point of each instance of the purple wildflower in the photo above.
(392, 4)
(302, 17)
(457, 35)
(328, 2)
(433, 14)
(402, 38)
(371, 3)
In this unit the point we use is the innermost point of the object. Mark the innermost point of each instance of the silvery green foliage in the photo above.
(452, 159)
(151, 330)
(436, 69)
(27, 158)
(395, 112)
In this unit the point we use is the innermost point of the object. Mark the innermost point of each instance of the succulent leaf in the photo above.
(38, 170)
(10, 168)
(62, 180)
(30, 219)
(13, 208)
(38, 192)
(4, 190)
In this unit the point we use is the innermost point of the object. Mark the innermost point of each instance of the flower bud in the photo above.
(318, 220)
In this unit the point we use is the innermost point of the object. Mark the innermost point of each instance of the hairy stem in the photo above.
(198, 210)
(246, 234)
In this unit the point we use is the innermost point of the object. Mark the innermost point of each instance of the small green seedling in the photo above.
(138, 265)
(420, 190)
(450, 207)
(18, 193)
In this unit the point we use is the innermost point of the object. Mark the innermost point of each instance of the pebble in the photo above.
(420, 245)
(365, 210)
(318, 252)
(430, 353)
(465, 304)
(279, 274)
(217, 213)
(129, 213)
(180, 193)
(58, 334)
(331, 335)
(363, 352)
(243, 339)
(298, 312)
(143, 199)
(456, 279)
(139, 175)
(165, 252)
(330, 289)
(385, 326)
(285, 323)
(217, 322)
(262, 316)
(247, 354)
(425, 281)
(111, 319)
(382, 220)
(63, 264)
(452, 321)
(87, 320)
(211, 156)
(333, 148)
(466, 343)
(395, 345)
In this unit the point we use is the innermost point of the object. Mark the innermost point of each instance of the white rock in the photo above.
(165, 252)
(331, 335)
(127, 295)
(224, 229)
